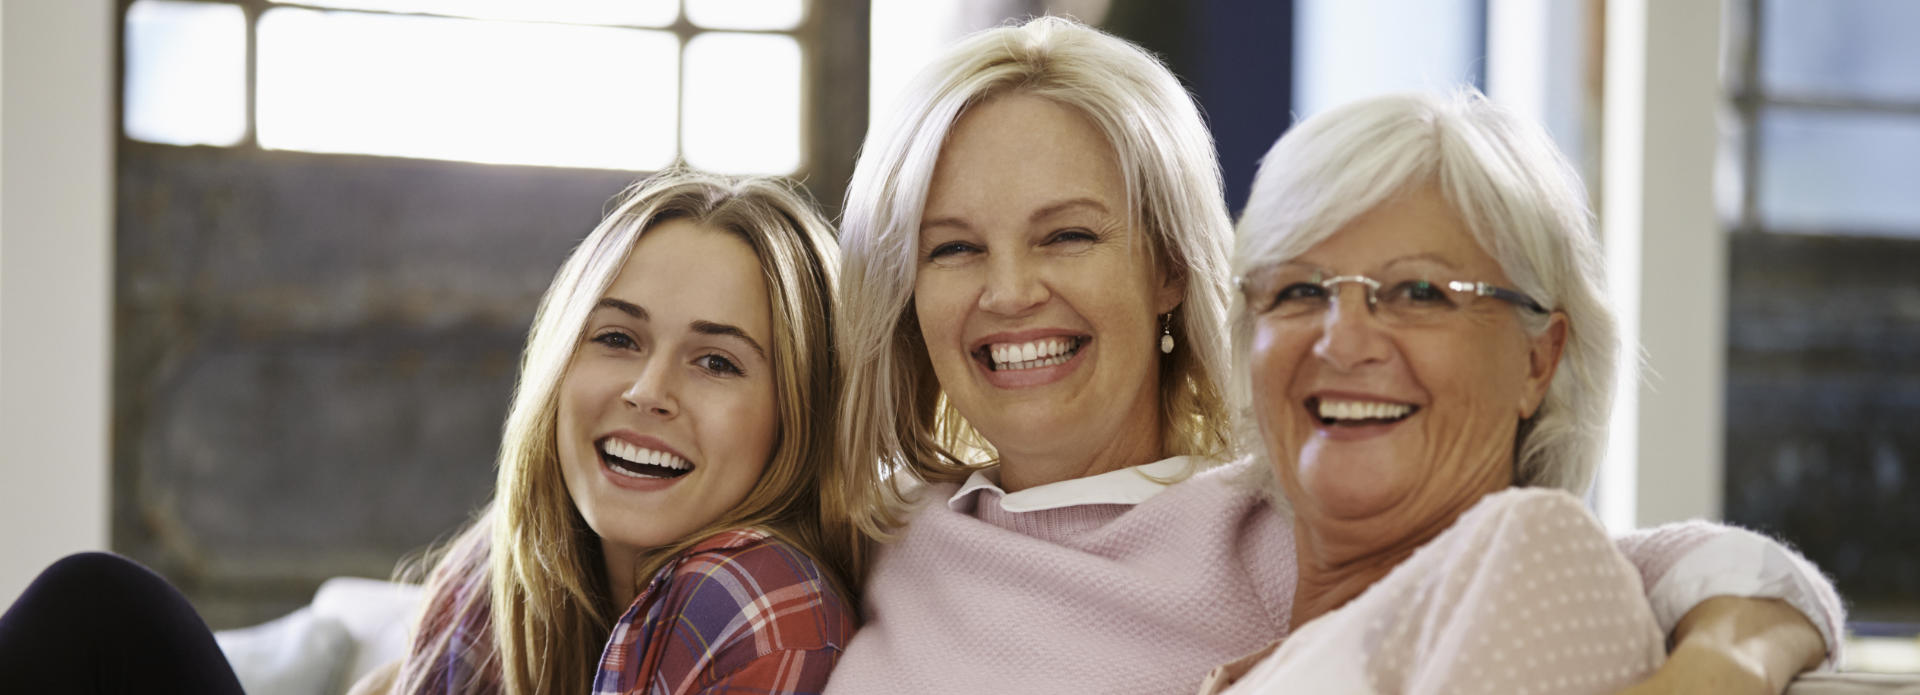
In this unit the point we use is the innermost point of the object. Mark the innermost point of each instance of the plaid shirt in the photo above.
(739, 613)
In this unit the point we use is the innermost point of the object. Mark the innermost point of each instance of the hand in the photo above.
(1737, 645)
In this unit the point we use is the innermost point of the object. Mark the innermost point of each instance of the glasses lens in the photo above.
(1284, 292)
(1416, 301)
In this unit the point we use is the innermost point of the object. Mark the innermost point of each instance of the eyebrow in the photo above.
(1428, 257)
(701, 327)
(723, 329)
(624, 307)
(1049, 210)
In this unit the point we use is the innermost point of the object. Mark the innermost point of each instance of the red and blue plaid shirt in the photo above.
(741, 612)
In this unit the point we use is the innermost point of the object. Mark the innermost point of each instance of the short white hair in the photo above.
(1520, 199)
(894, 415)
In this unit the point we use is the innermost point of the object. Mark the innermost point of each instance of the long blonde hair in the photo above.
(525, 582)
(895, 425)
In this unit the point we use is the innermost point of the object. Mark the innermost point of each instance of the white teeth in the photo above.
(1045, 352)
(625, 451)
(1362, 410)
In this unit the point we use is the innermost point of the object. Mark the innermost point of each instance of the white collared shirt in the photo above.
(1129, 486)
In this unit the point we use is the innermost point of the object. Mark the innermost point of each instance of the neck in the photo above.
(620, 582)
(1329, 579)
(1066, 455)
(1138, 441)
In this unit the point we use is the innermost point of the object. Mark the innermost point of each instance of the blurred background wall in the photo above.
(268, 265)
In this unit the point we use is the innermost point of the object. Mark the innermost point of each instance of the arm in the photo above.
(783, 672)
(1779, 616)
(1737, 645)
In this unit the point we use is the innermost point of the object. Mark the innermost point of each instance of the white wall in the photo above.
(1666, 255)
(56, 166)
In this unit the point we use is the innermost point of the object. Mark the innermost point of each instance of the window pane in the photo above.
(186, 79)
(1853, 48)
(743, 103)
(450, 89)
(745, 14)
(648, 13)
(1842, 172)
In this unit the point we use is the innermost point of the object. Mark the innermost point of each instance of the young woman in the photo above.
(657, 525)
(659, 472)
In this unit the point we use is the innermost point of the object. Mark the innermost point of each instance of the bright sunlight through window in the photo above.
(743, 103)
(603, 84)
(442, 88)
(649, 13)
(745, 14)
(186, 79)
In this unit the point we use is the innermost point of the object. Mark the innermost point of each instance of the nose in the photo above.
(654, 389)
(1350, 335)
(1013, 286)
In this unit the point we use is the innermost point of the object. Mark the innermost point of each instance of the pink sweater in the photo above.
(1106, 598)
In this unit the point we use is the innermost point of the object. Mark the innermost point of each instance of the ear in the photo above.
(1543, 359)
(1171, 291)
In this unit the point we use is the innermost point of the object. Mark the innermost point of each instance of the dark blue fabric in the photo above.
(100, 623)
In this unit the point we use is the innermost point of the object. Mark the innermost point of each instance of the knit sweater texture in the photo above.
(1101, 598)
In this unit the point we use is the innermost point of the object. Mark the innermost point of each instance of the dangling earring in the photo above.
(1166, 334)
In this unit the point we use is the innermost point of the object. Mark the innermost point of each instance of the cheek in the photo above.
(1273, 361)
(741, 432)
(1482, 380)
(935, 308)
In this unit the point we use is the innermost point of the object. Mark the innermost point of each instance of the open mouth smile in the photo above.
(1352, 413)
(633, 461)
(1033, 354)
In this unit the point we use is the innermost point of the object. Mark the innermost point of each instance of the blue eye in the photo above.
(1072, 236)
(616, 340)
(718, 365)
(950, 249)
(1419, 292)
(1298, 293)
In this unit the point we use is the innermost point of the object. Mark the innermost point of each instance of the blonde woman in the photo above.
(656, 525)
(1036, 433)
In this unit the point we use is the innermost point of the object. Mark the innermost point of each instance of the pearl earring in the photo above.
(1166, 334)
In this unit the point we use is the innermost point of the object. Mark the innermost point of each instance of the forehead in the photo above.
(1016, 152)
(1417, 222)
(681, 271)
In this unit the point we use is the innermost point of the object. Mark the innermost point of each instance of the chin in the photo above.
(1348, 488)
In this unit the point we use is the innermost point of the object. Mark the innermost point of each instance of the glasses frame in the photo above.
(1478, 289)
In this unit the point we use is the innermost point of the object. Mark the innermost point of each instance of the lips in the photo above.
(1346, 411)
(642, 459)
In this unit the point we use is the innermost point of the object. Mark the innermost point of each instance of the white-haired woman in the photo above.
(1431, 370)
(1036, 288)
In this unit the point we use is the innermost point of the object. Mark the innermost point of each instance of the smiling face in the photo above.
(1391, 430)
(667, 413)
(1036, 296)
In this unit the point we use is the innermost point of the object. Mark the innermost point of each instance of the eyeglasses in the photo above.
(1284, 292)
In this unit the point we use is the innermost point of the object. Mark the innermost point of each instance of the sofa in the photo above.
(355, 625)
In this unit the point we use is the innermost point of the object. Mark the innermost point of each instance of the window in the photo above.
(609, 84)
(1820, 161)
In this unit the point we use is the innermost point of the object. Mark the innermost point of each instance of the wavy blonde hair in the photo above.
(895, 425)
(528, 567)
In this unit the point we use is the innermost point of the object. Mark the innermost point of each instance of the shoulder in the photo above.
(748, 585)
(1527, 531)
(1531, 515)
